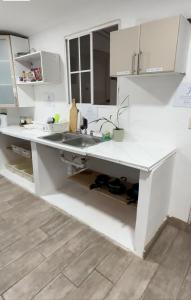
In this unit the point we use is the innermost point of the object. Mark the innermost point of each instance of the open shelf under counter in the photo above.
(16, 161)
(87, 177)
(114, 219)
(18, 179)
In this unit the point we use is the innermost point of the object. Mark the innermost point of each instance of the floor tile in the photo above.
(8, 238)
(115, 264)
(185, 291)
(189, 274)
(56, 290)
(39, 220)
(96, 287)
(134, 281)
(55, 224)
(83, 265)
(82, 240)
(18, 269)
(170, 274)
(21, 246)
(61, 237)
(39, 278)
(163, 243)
(4, 206)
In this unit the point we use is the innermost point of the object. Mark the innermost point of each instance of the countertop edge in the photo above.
(85, 152)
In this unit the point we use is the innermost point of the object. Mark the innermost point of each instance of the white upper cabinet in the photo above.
(10, 95)
(163, 47)
(7, 82)
(124, 50)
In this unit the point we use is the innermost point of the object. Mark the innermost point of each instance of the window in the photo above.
(89, 68)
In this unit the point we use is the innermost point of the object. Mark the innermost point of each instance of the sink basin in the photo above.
(73, 139)
(60, 137)
(83, 141)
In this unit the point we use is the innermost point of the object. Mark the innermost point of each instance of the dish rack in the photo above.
(22, 168)
(56, 127)
(22, 151)
(23, 165)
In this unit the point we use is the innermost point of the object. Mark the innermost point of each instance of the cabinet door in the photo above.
(124, 49)
(7, 97)
(158, 43)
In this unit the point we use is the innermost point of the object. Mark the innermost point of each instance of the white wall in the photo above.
(151, 115)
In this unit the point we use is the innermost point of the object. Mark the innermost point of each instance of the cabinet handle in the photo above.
(133, 63)
(139, 61)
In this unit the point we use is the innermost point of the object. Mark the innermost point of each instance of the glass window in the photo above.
(74, 60)
(75, 87)
(86, 87)
(85, 52)
(89, 68)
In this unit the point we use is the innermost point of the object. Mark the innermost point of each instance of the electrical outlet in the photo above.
(49, 98)
(189, 124)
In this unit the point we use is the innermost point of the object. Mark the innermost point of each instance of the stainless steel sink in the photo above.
(83, 141)
(60, 137)
(73, 139)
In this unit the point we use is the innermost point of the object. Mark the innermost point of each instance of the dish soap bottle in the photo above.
(73, 117)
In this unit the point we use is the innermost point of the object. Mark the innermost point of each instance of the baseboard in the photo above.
(154, 239)
(179, 224)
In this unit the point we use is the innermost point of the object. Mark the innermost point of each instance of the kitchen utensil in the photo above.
(133, 193)
(3, 120)
(73, 117)
(101, 180)
(116, 186)
(57, 118)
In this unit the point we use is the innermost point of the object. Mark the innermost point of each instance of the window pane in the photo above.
(86, 87)
(74, 58)
(75, 87)
(85, 52)
(105, 88)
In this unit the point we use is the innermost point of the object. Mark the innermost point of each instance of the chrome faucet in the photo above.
(84, 126)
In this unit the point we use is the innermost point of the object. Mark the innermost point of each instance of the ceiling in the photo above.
(28, 18)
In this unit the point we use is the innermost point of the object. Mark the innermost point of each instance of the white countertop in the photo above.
(142, 156)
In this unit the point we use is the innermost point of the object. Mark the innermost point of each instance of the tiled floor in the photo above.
(47, 255)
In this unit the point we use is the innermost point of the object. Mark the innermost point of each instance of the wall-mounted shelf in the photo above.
(29, 57)
(31, 83)
(47, 63)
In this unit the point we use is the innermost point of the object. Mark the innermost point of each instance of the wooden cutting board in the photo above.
(73, 117)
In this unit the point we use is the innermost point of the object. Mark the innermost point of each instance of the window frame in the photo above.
(69, 72)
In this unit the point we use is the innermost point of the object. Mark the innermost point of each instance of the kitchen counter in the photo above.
(142, 156)
(131, 227)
